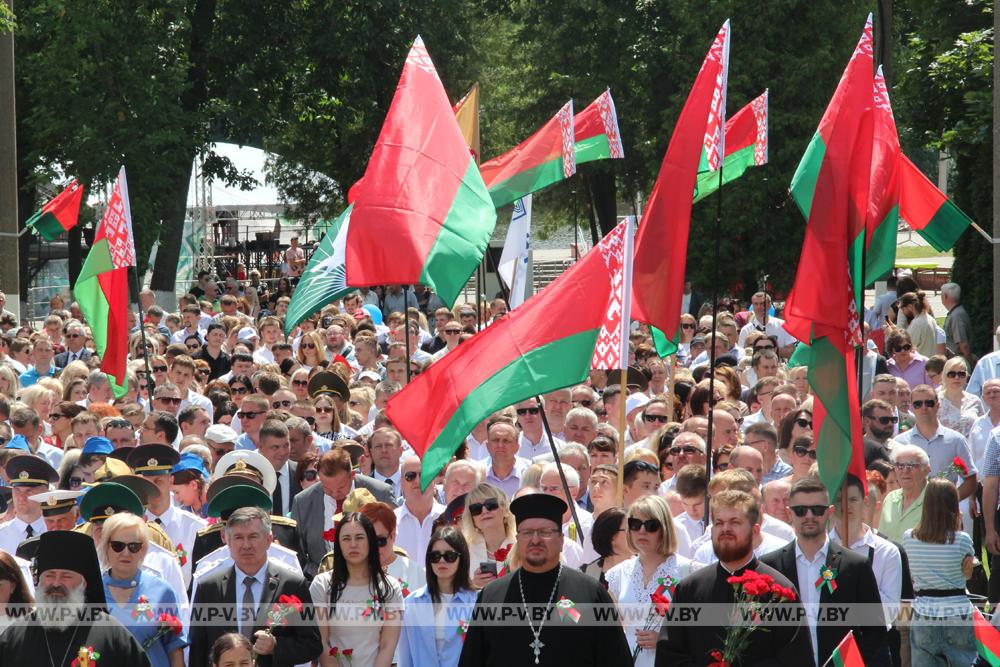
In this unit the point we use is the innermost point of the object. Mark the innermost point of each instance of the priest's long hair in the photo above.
(378, 583)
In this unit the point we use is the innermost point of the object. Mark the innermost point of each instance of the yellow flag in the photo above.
(467, 115)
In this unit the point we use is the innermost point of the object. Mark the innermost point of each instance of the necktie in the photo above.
(278, 501)
(248, 603)
(29, 531)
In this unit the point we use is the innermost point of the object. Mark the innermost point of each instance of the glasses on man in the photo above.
(650, 419)
(924, 403)
(249, 414)
(410, 476)
(585, 402)
(801, 510)
(686, 450)
(651, 525)
(885, 421)
(490, 505)
(452, 332)
(172, 400)
(906, 465)
(281, 404)
(542, 533)
(528, 411)
(801, 451)
(687, 325)
(448, 556)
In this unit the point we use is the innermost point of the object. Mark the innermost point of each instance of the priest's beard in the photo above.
(733, 549)
(59, 607)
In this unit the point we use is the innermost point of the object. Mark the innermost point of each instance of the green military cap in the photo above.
(233, 498)
(108, 499)
(140, 486)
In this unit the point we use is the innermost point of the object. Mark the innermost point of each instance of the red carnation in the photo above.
(348, 652)
(500, 555)
(334, 651)
(330, 535)
(291, 600)
(960, 466)
(661, 603)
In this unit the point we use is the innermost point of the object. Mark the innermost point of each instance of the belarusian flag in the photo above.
(467, 115)
(987, 639)
(421, 212)
(544, 344)
(882, 222)
(513, 265)
(596, 129)
(927, 210)
(611, 350)
(546, 157)
(59, 215)
(831, 188)
(661, 244)
(325, 278)
(746, 146)
(847, 653)
(102, 288)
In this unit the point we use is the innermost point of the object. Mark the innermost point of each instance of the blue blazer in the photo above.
(417, 643)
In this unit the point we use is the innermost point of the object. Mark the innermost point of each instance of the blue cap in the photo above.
(19, 442)
(97, 445)
(373, 312)
(191, 461)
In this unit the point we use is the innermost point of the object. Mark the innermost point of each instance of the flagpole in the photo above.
(623, 381)
(406, 329)
(715, 317)
(505, 295)
(150, 382)
(479, 290)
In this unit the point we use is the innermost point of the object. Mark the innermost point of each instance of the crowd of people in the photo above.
(257, 475)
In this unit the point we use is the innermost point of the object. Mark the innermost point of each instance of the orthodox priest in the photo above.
(543, 613)
(70, 622)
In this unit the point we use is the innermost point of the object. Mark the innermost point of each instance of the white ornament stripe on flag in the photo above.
(117, 225)
(611, 349)
(513, 266)
(715, 135)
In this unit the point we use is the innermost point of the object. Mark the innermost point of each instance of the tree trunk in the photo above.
(604, 192)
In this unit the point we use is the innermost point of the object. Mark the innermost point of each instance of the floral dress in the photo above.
(960, 417)
(345, 628)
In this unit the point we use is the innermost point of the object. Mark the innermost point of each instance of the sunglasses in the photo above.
(311, 421)
(448, 556)
(722, 466)
(758, 348)
(528, 411)
(490, 505)
(324, 410)
(169, 399)
(239, 390)
(804, 451)
(956, 374)
(56, 415)
(382, 542)
(75, 482)
(308, 346)
(685, 325)
(803, 423)
(903, 348)
(927, 402)
(118, 547)
(649, 419)
(159, 369)
(452, 332)
(281, 404)
(410, 476)
(586, 402)
(906, 465)
(253, 414)
(651, 525)
(118, 423)
(885, 421)
(300, 383)
(688, 450)
(801, 510)
(75, 335)
(193, 347)
(310, 475)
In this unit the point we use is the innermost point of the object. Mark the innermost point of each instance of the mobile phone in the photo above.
(489, 567)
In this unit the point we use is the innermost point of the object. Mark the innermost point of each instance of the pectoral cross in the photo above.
(537, 645)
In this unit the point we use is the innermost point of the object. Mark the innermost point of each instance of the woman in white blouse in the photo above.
(959, 408)
(488, 527)
(655, 569)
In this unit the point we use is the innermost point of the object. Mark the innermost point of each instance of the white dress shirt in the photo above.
(13, 532)
(194, 398)
(530, 450)
(808, 571)
(393, 482)
(413, 535)
(256, 589)
(887, 565)
(182, 528)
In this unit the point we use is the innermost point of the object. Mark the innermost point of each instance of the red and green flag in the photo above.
(661, 244)
(102, 288)
(597, 133)
(987, 639)
(59, 215)
(421, 212)
(546, 157)
(831, 187)
(882, 222)
(546, 343)
(746, 146)
(927, 210)
(847, 653)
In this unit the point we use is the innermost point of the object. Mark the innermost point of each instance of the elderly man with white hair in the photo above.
(551, 484)
(460, 477)
(577, 457)
(749, 459)
(580, 426)
(958, 324)
(902, 507)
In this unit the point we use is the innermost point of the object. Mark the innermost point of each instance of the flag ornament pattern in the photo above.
(662, 241)
(746, 146)
(325, 277)
(102, 287)
(759, 107)
(597, 133)
(422, 213)
(831, 188)
(927, 210)
(546, 157)
(715, 135)
(611, 350)
(59, 215)
(847, 653)
(987, 639)
(545, 344)
(882, 223)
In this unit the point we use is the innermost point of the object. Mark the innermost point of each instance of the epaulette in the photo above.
(283, 521)
(400, 551)
(208, 530)
(158, 535)
(326, 563)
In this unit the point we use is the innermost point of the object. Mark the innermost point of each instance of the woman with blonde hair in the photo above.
(76, 390)
(74, 370)
(327, 418)
(8, 382)
(40, 399)
(651, 535)
(310, 352)
(489, 528)
(959, 409)
(299, 383)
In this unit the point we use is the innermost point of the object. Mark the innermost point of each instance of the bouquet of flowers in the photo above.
(282, 609)
(661, 603)
(343, 656)
(755, 594)
(169, 624)
(957, 465)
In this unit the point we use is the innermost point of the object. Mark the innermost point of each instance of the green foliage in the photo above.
(7, 20)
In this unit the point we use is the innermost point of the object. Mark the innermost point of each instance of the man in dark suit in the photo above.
(829, 576)
(75, 336)
(274, 445)
(314, 508)
(695, 299)
(243, 595)
(690, 642)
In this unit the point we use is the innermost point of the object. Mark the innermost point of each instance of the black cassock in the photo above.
(25, 642)
(691, 644)
(589, 641)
